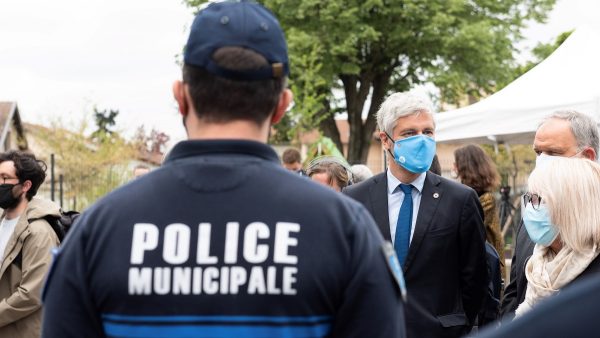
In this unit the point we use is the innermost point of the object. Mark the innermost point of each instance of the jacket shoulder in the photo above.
(363, 187)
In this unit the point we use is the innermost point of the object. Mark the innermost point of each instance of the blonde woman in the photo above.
(562, 216)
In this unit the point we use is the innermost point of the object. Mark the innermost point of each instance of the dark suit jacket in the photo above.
(445, 269)
(515, 291)
(514, 294)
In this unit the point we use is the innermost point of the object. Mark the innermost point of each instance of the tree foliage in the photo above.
(370, 48)
(91, 166)
(154, 142)
(105, 120)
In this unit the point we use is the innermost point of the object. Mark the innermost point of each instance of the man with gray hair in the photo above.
(563, 133)
(435, 224)
(360, 172)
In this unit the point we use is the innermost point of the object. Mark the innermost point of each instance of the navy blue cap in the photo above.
(237, 24)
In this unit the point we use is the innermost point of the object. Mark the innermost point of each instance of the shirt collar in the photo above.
(393, 182)
(190, 148)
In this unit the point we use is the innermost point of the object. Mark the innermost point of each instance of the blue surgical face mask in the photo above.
(414, 153)
(538, 225)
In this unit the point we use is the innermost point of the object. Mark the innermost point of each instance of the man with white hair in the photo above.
(563, 133)
(437, 231)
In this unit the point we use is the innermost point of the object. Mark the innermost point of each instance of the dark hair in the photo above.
(475, 168)
(436, 168)
(27, 168)
(291, 155)
(218, 100)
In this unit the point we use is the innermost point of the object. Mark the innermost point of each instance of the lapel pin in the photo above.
(436, 195)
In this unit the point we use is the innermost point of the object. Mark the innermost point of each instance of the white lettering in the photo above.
(140, 281)
(256, 282)
(176, 246)
(145, 237)
(162, 281)
(272, 281)
(231, 242)
(197, 285)
(224, 280)
(182, 278)
(238, 278)
(203, 252)
(211, 285)
(289, 278)
(254, 252)
(283, 241)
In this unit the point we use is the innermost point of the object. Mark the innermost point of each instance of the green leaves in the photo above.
(378, 46)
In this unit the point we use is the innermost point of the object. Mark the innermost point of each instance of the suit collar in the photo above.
(393, 182)
(379, 204)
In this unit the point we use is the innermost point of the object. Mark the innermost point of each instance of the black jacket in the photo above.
(572, 313)
(445, 269)
(222, 241)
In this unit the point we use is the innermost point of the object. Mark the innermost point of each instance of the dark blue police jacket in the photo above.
(221, 241)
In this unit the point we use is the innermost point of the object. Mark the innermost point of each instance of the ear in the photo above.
(589, 153)
(285, 99)
(180, 97)
(384, 140)
(25, 186)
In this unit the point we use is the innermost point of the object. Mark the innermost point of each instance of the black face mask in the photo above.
(7, 199)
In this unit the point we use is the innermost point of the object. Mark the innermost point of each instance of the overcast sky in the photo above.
(62, 57)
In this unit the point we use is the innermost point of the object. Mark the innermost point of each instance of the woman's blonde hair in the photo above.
(571, 189)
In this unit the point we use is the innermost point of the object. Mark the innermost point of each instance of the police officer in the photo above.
(216, 242)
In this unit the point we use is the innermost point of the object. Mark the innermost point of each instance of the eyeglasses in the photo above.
(534, 199)
(3, 179)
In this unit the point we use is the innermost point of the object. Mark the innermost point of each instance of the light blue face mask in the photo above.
(538, 225)
(414, 153)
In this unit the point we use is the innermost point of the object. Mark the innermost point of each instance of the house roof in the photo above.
(9, 113)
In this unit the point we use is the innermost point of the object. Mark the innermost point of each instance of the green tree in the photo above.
(91, 167)
(372, 47)
(105, 120)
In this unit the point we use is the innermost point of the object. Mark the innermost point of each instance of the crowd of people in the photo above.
(227, 239)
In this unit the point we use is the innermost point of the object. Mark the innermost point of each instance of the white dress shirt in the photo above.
(395, 201)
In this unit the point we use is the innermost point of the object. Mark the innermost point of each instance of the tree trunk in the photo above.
(329, 129)
(361, 133)
(380, 85)
(355, 101)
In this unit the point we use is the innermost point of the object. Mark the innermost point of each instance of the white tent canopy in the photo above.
(567, 79)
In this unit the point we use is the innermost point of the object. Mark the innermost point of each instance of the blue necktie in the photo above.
(404, 224)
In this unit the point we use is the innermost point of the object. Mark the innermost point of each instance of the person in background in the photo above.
(561, 215)
(330, 171)
(221, 241)
(26, 242)
(563, 133)
(360, 172)
(292, 161)
(476, 169)
(436, 168)
(140, 170)
(435, 224)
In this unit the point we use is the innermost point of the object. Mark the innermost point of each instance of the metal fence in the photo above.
(77, 193)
